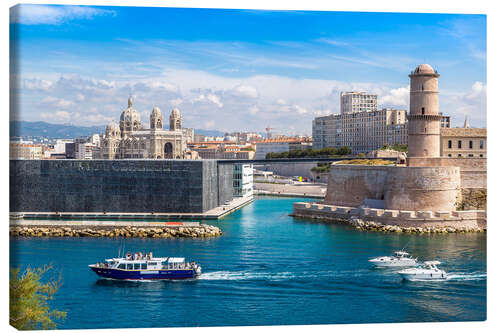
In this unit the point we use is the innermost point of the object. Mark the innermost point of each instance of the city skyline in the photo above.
(237, 69)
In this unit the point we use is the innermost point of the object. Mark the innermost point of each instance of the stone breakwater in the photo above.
(201, 231)
(372, 219)
(374, 226)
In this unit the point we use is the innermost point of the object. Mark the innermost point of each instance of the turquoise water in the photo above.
(267, 269)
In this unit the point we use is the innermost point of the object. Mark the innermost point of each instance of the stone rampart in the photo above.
(180, 186)
(459, 220)
(472, 170)
(401, 188)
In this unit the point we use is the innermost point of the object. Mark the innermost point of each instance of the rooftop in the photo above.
(464, 132)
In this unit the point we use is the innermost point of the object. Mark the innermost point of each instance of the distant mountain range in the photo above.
(66, 131)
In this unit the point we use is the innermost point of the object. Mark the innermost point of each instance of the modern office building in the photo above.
(242, 180)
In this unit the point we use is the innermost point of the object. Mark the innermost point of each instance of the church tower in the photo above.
(156, 119)
(175, 120)
(424, 121)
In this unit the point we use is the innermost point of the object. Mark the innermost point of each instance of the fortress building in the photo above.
(130, 140)
(430, 189)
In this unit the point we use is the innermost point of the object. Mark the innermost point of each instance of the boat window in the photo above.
(121, 266)
(144, 266)
(130, 266)
(137, 266)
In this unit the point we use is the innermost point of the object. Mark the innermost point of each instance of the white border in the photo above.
(428, 6)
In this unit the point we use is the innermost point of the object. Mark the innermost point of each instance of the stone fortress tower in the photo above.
(424, 119)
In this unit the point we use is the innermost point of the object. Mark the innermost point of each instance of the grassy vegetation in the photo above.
(329, 152)
(367, 162)
(396, 147)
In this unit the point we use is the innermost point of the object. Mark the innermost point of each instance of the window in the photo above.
(449, 155)
(480, 155)
(137, 266)
(459, 155)
(130, 266)
(470, 144)
(121, 266)
(470, 155)
(449, 144)
(481, 144)
(423, 110)
(459, 144)
(144, 266)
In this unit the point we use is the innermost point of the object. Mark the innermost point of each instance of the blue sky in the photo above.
(236, 69)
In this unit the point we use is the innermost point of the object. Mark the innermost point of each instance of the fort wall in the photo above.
(473, 170)
(423, 188)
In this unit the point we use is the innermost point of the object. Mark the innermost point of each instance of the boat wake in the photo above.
(226, 275)
(466, 277)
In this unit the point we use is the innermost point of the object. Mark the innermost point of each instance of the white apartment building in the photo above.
(242, 180)
(361, 131)
(354, 101)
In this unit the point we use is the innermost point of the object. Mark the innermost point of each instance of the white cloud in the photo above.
(253, 110)
(245, 91)
(52, 14)
(396, 97)
(471, 103)
(214, 99)
(58, 116)
(57, 102)
(204, 98)
(175, 102)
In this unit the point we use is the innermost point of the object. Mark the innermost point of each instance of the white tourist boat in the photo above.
(429, 271)
(399, 259)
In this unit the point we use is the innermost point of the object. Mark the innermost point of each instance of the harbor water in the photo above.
(266, 269)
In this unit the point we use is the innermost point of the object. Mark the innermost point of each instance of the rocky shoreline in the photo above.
(364, 225)
(201, 231)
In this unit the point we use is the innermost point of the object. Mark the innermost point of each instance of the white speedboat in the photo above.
(429, 271)
(399, 259)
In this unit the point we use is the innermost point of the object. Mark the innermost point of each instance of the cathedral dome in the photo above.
(156, 112)
(130, 120)
(112, 129)
(175, 113)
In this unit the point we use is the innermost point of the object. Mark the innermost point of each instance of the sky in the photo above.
(235, 70)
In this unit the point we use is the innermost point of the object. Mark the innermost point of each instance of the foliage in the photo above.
(367, 162)
(29, 296)
(361, 155)
(396, 147)
(327, 152)
(322, 167)
(248, 149)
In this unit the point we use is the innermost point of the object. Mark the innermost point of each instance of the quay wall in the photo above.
(292, 169)
(394, 187)
(181, 186)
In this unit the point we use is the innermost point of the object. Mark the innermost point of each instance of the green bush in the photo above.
(28, 305)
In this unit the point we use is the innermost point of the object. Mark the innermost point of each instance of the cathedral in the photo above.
(130, 140)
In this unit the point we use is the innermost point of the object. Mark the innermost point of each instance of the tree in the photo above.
(28, 305)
